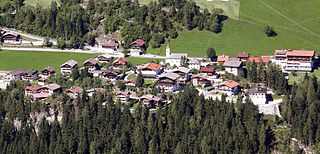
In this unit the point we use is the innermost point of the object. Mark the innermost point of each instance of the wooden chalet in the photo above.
(151, 101)
(68, 66)
(169, 82)
(120, 62)
(244, 56)
(91, 64)
(30, 75)
(138, 45)
(11, 37)
(207, 70)
(48, 71)
(113, 44)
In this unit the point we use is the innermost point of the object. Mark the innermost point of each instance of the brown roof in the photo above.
(32, 88)
(133, 80)
(207, 69)
(152, 66)
(75, 90)
(49, 68)
(223, 58)
(16, 72)
(42, 95)
(229, 83)
(258, 59)
(53, 86)
(121, 60)
(92, 61)
(243, 55)
(111, 44)
(151, 97)
(298, 53)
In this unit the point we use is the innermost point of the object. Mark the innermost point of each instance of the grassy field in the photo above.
(42, 3)
(12, 60)
(296, 27)
(300, 75)
(131, 76)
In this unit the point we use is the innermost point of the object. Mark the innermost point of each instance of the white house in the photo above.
(183, 73)
(229, 87)
(258, 95)
(150, 70)
(68, 67)
(14, 75)
(194, 63)
(175, 59)
(169, 82)
(294, 60)
(233, 66)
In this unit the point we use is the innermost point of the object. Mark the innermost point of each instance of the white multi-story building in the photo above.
(14, 75)
(258, 95)
(150, 70)
(233, 66)
(175, 59)
(68, 67)
(194, 63)
(294, 60)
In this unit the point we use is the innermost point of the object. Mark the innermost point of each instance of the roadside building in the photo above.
(48, 71)
(14, 75)
(175, 59)
(294, 60)
(137, 47)
(113, 44)
(68, 67)
(91, 64)
(233, 66)
(243, 56)
(229, 88)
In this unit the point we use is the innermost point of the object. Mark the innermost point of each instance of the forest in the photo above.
(74, 24)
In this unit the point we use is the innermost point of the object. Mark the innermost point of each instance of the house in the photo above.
(233, 66)
(11, 37)
(120, 62)
(68, 67)
(105, 58)
(137, 47)
(258, 95)
(229, 87)
(259, 59)
(90, 92)
(30, 75)
(151, 101)
(207, 70)
(243, 56)
(223, 58)
(29, 90)
(91, 64)
(150, 70)
(294, 60)
(110, 74)
(41, 81)
(200, 80)
(74, 92)
(48, 71)
(40, 96)
(113, 44)
(194, 63)
(175, 59)
(123, 96)
(169, 82)
(183, 73)
(14, 75)
(132, 82)
(50, 89)
(96, 73)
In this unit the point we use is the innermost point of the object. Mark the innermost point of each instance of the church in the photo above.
(175, 59)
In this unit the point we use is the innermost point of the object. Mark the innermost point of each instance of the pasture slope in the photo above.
(295, 21)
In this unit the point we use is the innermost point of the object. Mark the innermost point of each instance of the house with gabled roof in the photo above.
(132, 82)
(200, 80)
(183, 72)
(14, 75)
(169, 82)
(233, 66)
(151, 101)
(110, 74)
(120, 62)
(123, 96)
(137, 47)
(243, 56)
(113, 44)
(29, 90)
(194, 63)
(48, 71)
(92, 91)
(258, 95)
(10, 37)
(74, 92)
(104, 58)
(68, 66)
(30, 75)
(150, 70)
(91, 64)
(50, 88)
(222, 59)
(229, 87)
(207, 70)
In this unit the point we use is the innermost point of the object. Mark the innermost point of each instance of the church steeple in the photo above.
(168, 53)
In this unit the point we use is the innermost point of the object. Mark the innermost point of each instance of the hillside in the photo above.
(295, 31)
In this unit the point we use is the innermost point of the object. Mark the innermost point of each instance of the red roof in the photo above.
(121, 60)
(223, 58)
(139, 42)
(258, 59)
(42, 95)
(243, 55)
(49, 68)
(229, 83)
(298, 53)
(16, 72)
(133, 80)
(76, 90)
(207, 69)
(101, 90)
(152, 66)
(0, 28)
(53, 86)
(32, 88)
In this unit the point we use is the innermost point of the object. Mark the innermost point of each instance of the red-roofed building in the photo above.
(74, 92)
(259, 59)
(132, 82)
(29, 90)
(48, 71)
(207, 70)
(137, 47)
(294, 60)
(120, 62)
(113, 44)
(229, 87)
(150, 70)
(40, 96)
(243, 56)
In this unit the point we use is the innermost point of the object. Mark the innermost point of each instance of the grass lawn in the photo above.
(131, 76)
(12, 60)
(300, 76)
(139, 61)
(247, 33)
(25, 38)
(43, 3)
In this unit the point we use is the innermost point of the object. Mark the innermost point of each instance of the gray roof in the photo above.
(31, 71)
(257, 90)
(172, 76)
(234, 59)
(229, 63)
(182, 69)
(71, 63)
(177, 55)
(194, 61)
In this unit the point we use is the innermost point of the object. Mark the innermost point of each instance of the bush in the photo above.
(269, 31)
